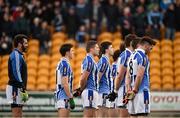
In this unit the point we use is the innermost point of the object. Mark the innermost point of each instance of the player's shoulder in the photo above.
(87, 59)
(128, 51)
(125, 54)
(103, 59)
(64, 63)
(122, 54)
(114, 65)
(14, 54)
(140, 54)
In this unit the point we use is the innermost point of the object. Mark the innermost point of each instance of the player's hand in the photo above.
(125, 100)
(112, 96)
(14, 96)
(72, 103)
(131, 95)
(77, 92)
(24, 95)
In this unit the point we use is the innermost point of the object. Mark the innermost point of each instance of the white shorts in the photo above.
(89, 98)
(62, 104)
(140, 104)
(113, 104)
(121, 96)
(9, 94)
(103, 101)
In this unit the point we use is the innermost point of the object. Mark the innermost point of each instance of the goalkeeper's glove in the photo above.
(112, 96)
(131, 94)
(72, 103)
(24, 95)
(77, 92)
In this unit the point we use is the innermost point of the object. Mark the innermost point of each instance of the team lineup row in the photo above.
(120, 89)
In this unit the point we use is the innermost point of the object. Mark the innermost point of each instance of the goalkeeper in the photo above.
(17, 72)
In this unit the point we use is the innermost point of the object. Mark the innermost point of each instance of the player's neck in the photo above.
(141, 47)
(90, 53)
(19, 49)
(107, 55)
(130, 48)
(66, 57)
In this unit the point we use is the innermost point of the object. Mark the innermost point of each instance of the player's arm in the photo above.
(64, 80)
(84, 78)
(121, 70)
(65, 85)
(140, 73)
(139, 77)
(87, 66)
(83, 82)
(120, 76)
(127, 80)
(101, 68)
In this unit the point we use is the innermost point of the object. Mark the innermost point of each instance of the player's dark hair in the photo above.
(19, 38)
(104, 45)
(147, 39)
(90, 44)
(122, 47)
(135, 42)
(128, 39)
(65, 48)
(116, 55)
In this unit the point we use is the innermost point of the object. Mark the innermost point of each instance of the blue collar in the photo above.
(128, 50)
(88, 54)
(139, 49)
(106, 57)
(18, 51)
(65, 59)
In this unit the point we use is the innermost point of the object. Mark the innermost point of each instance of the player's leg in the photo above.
(112, 111)
(16, 110)
(63, 112)
(102, 105)
(131, 109)
(123, 112)
(89, 112)
(63, 108)
(13, 97)
(141, 100)
(121, 108)
(102, 111)
(96, 113)
(89, 100)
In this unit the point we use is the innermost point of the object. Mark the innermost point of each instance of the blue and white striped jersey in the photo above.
(105, 81)
(90, 65)
(123, 60)
(139, 58)
(63, 70)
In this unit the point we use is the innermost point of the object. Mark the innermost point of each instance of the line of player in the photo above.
(117, 90)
